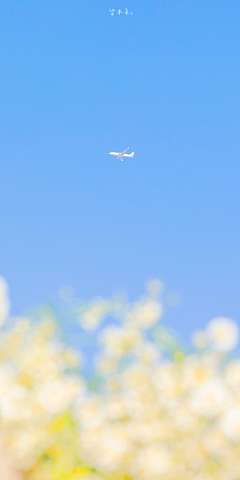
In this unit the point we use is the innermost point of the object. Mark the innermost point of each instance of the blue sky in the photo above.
(77, 83)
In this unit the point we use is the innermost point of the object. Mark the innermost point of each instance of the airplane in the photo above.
(122, 154)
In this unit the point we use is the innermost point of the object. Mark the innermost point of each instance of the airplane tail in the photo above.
(132, 154)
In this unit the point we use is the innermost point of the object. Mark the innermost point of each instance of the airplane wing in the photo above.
(122, 154)
(124, 151)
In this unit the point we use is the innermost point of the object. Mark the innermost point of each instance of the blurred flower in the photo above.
(152, 461)
(4, 301)
(146, 314)
(105, 364)
(151, 415)
(89, 476)
(7, 467)
(72, 358)
(211, 399)
(215, 442)
(230, 423)
(232, 375)
(91, 317)
(55, 396)
(147, 352)
(118, 341)
(155, 287)
(223, 333)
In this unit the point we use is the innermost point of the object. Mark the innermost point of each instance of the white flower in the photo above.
(118, 341)
(147, 314)
(148, 353)
(232, 375)
(203, 476)
(91, 476)
(230, 424)
(197, 371)
(211, 399)
(26, 445)
(89, 414)
(145, 432)
(106, 449)
(166, 381)
(151, 462)
(183, 419)
(215, 442)
(7, 463)
(223, 334)
(116, 408)
(4, 301)
(92, 317)
(56, 397)
(14, 402)
(105, 364)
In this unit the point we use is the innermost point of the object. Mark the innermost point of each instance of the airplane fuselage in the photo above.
(122, 154)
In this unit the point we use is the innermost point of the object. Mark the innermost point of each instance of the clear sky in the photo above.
(77, 83)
